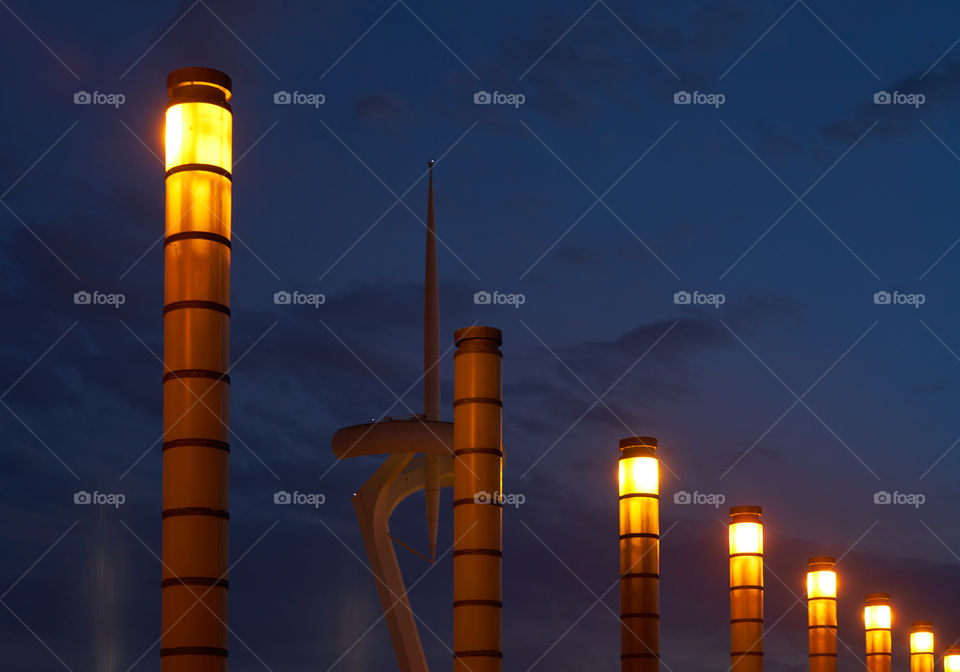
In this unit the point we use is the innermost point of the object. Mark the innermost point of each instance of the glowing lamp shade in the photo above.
(746, 538)
(921, 642)
(821, 584)
(877, 617)
(639, 475)
(877, 620)
(199, 133)
(822, 613)
(951, 660)
(921, 647)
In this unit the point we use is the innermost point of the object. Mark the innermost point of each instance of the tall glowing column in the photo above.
(639, 555)
(921, 647)
(951, 659)
(746, 589)
(822, 613)
(477, 487)
(877, 619)
(195, 383)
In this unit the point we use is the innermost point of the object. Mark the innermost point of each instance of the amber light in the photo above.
(921, 647)
(822, 613)
(951, 660)
(199, 133)
(821, 584)
(746, 538)
(877, 619)
(639, 475)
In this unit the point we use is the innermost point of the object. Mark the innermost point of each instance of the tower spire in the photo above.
(431, 371)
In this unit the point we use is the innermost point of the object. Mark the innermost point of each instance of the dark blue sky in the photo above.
(797, 199)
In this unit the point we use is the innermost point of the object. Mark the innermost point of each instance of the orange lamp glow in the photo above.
(951, 659)
(822, 613)
(199, 133)
(821, 584)
(878, 619)
(921, 647)
(639, 475)
(746, 538)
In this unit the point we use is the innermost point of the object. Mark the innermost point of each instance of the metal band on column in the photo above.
(746, 589)
(639, 555)
(477, 488)
(196, 320)
(877, 618)
(921, 647)
(822, 613)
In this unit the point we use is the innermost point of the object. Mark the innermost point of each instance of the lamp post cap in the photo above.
(921, 626)
(430, 163)
(822, 559)
(197, 75)
(740, 510)
(488, 333)
(952, 651)
(878, 598)
(638, 442)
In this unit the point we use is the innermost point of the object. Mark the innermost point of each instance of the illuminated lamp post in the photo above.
(746, 589)
(477, 505)
(878, 619)
(822, 613)
(639, 555)
(951, 659)
(195, 382)
(921, 647)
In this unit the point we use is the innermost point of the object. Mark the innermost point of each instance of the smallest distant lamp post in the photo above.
(921, 647)
(639, 555)
(746, 589)
(951, 659)
(822, 613)
(877, 619)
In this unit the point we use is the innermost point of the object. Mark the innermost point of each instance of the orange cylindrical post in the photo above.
(746, 589)
(639, 555)
(921, 647)
(477, 501)
(878, 620)
(951, 659)
(195, 383)
(822, 613)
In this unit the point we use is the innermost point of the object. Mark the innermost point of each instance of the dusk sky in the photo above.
(804, 200)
